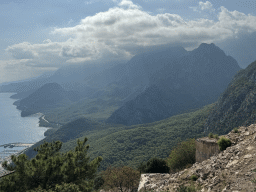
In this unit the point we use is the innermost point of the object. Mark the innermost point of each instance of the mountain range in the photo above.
(183, 81)
(141, 109)
(50, 95)
(153, 85)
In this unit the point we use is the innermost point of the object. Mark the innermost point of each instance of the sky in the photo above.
(39, 36)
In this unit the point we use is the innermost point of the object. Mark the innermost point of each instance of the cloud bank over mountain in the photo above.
(125, 29)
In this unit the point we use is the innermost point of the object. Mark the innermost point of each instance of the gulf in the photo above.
(14, 128)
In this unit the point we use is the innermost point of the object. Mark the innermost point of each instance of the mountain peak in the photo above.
(205, 48)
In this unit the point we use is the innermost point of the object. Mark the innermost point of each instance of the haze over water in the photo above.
(14, 128)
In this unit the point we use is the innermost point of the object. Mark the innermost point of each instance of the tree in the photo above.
(123, 178)
(154, 165)
(182, 156)
(50, 168)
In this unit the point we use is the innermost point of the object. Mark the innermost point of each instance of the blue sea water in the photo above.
(14, 128)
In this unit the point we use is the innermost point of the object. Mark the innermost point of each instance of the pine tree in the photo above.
(50, 168)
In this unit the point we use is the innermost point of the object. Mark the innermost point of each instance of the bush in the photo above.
(120, 178)
(210, 135)
(235, 130)
(182, 155)
(154, 165)
(216, 136)
(193, 177)
(183, 188)
(98, 182)
(224, 143)
(64, 187)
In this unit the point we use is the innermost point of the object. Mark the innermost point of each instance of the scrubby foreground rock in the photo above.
(230, 170)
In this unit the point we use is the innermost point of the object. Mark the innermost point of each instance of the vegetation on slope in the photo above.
(131, 145)
(237, 105)
(50, 168)
(97, 108)
(52, 171)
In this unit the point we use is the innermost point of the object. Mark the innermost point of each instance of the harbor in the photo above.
(6, 154)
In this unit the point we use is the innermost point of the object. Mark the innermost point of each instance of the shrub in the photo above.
(120, 178)
(210, 135)
(98, 182)
(193, 177)
(183, 188)
(64, 187)
(154, 165)
(182, 155)
(235, 130)
(224, 143)
(216, 136)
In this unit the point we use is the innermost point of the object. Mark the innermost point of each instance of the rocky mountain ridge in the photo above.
(230, 170)
(190, 80)
(236, 105)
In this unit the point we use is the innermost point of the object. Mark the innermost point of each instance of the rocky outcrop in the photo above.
(229, 170)
(236, 105)
(197, 77)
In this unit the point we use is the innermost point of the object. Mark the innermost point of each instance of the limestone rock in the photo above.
(227, 171)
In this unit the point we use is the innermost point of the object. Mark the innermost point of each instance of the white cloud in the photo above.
(129, 4)
(206, 6)
(13, 70)
(22, 51)
(120, 31)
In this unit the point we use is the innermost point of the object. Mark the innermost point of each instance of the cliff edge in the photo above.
(228, 170)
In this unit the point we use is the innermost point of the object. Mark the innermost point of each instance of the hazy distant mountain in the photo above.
(236, 105)
(25, 86)
(48, 96)
(187, 81)
(86, 79)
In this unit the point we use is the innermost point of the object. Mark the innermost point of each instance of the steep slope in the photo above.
(153, 104)
(116, 85)
(130, 145)
(48, 96)
(231, 170)
(69, 131)
(237, 105)
(185, 82)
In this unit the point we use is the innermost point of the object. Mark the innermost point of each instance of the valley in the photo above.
(144, 110)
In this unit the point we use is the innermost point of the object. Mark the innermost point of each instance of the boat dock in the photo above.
(5, 155)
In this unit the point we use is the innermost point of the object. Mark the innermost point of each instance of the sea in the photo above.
(17, 129)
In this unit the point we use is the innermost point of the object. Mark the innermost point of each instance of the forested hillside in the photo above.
(130, 145)
(236, 105)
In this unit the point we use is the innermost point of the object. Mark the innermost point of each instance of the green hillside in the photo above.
(130, 145)
(97, 109)
(236, 105)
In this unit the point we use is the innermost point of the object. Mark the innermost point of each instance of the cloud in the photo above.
(13, 70)
(22, 51)
(129, 4)
(206, 6)
(124, 29)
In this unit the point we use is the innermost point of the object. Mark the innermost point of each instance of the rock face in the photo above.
(229, 170)
(205, 148)
(236, 105)
(197, 77)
